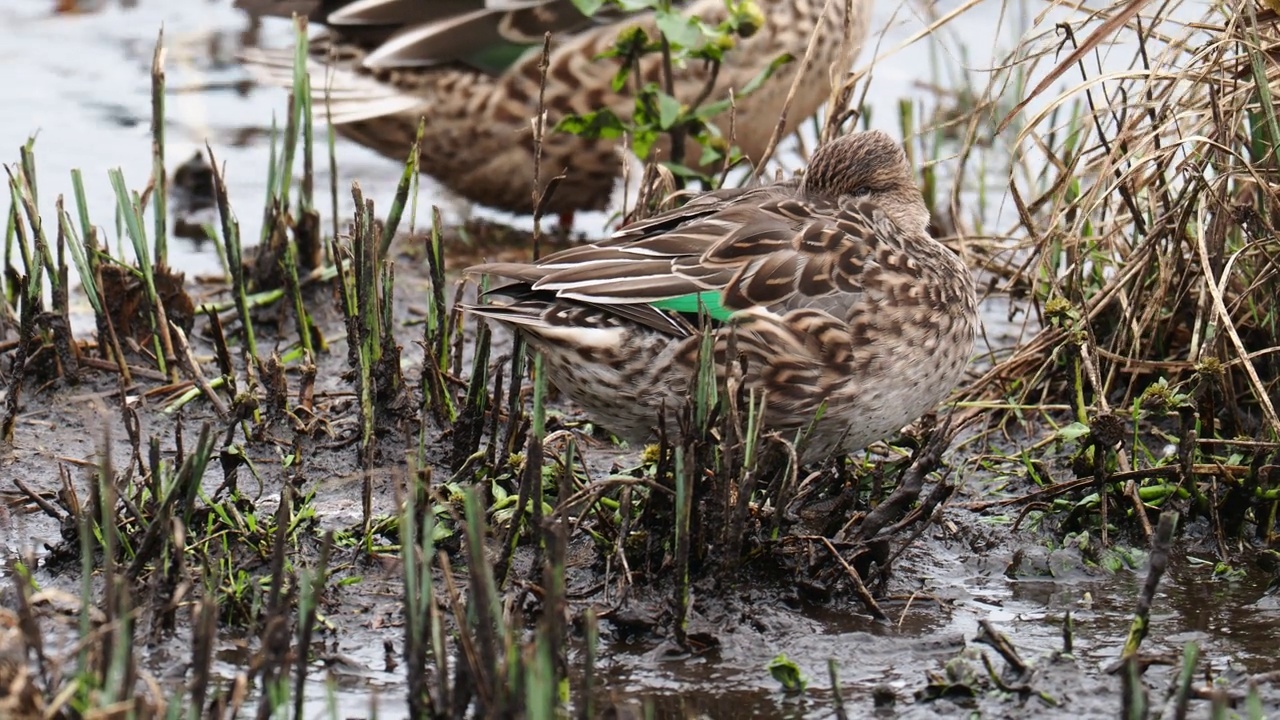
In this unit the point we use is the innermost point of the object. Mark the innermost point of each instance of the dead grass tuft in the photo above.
(1147, 195)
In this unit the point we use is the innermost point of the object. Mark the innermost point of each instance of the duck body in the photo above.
(471, 69)
(827, 290)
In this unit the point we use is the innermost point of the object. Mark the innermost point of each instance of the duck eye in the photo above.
(862, 191)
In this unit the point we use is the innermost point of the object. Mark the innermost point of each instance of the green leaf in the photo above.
(746, 19)
(686, 172)
(498, 492)
(680, 31)
(668, 111)
(787, 672)
(588, 7)
(439, 532)
(1111, 562)
(619, 80)
(707, 111)
(1074, 431)
(602, 124)
(645, 114)
(711, 52)
(642, 140)
(632, 43)
(754, 83)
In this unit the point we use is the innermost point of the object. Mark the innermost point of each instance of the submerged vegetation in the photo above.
(1137, 410)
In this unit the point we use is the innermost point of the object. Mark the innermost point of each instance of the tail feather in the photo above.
(519, 314)
(398, 12)
(342, 94)
(532, 317)
(283, 8)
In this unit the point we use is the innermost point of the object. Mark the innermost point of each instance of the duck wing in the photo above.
(757, 249)
(377, 58)
(486, 35)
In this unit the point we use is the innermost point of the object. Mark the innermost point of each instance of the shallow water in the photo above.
(1234, 623)
(81, 82)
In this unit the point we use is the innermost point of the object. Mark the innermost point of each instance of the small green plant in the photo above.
(786, 671)
(659, 111)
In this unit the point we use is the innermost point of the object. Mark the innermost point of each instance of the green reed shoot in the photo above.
(129, 207)
(306, 328)
(23, 194)
(408, 180)
(587, 701)
(1266, 108)
(235, 258)
(366, 284)
(302, 93)
(437, 329)
(83, 252)
(10, 231)
(685, 477)
(706, 386)
(88, 262)
(423, 628)
(159, 175)
(313, 586)
(484, 611)
(1186, 675)
(468, 426)
(541, 699)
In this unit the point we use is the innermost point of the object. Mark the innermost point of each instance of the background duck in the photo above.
(470, 67)
(837, 297)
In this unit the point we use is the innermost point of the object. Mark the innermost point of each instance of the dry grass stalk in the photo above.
(1147, 196)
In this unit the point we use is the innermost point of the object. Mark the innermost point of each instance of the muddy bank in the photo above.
(965, 569)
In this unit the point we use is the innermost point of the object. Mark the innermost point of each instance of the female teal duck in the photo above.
(470, 68)
(834, 294)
